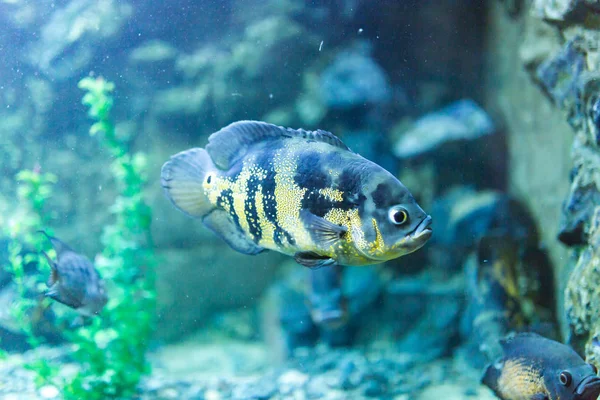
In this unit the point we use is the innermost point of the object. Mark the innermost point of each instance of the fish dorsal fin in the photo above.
(59, 246)
(516, 340)
(232, 142)
(506, 342)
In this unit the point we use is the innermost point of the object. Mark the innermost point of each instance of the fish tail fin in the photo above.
(54, 272)
(183, 178)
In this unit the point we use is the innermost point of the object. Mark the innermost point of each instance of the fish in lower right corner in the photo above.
(74, 280)
(533, 367)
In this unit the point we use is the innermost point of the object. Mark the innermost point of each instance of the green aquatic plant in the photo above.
(111, 351)
(33, 191)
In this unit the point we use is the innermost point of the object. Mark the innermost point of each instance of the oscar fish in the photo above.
(301, 193)
(535, 368)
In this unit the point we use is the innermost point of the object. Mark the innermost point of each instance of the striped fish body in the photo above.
(266, 192)
(300, 193)
(533, 367)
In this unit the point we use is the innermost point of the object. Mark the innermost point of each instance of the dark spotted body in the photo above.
(301, 193)
(536, 368)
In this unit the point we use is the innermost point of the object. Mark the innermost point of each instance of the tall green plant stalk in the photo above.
(33, 192)
(111, 351)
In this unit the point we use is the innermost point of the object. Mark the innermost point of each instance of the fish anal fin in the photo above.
(313, 260)
(325, 233)
(513, 339)
(232, 142)
(182, 178)
(220, 223)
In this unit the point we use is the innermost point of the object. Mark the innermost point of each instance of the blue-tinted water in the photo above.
(280, 263)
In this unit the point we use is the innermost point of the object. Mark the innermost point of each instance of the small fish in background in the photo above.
(494, 296)
(535, 368)
(74, 280)
(326, 302)
(461, 121)
(305, 194)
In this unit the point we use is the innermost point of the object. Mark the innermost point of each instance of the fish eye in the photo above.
(398, 215)
(565, 378)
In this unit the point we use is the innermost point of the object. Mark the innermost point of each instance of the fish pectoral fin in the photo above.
(325, 233)
(540, 396)
(221, 223)
(313, 260)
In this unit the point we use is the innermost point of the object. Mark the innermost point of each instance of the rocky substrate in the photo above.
(214, 369)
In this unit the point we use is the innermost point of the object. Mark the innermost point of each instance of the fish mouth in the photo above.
(422, 231)
(588, 388)
(410, 242)
(414, 240)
